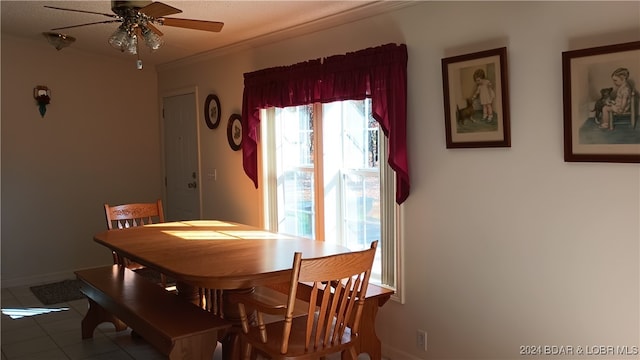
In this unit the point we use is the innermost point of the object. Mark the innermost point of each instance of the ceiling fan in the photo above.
(139, 20)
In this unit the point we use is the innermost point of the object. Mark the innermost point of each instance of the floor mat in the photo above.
(58, 292)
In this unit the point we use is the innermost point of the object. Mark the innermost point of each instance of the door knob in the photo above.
(192, 185)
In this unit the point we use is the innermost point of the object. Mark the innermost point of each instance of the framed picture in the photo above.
(234, 132)
(600, 99)
(476, 99)
(212, 111)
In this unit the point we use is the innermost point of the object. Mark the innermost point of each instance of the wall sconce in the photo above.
(42, 94)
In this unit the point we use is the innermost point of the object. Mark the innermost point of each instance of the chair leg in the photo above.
(246, 350)
(349, 354)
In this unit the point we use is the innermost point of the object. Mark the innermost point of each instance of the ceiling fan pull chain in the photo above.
(139, 61)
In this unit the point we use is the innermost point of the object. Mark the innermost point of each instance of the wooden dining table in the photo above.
(215, 255)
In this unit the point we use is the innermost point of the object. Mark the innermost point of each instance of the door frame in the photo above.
(176, 92)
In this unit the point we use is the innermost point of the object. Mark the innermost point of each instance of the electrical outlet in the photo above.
(421, 339)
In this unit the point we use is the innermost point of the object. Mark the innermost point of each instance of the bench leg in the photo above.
(369, 341)
(197, 347)
(95, 316)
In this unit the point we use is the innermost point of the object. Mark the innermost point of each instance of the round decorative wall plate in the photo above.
(234, 132)
(212, 111)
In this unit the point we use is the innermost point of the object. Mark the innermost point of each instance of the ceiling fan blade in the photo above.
(91, 23)
(158, 9)
(154, 29)
(213, 26)
(81, 11)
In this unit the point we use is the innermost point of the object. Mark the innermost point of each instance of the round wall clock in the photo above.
(212, 111)
(234, 132)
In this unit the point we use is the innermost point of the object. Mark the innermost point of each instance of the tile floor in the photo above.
(56, 335)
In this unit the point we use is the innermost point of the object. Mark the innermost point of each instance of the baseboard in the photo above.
(37, 279)
(391, 353)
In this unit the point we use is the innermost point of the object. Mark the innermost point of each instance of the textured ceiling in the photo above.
(246, 22)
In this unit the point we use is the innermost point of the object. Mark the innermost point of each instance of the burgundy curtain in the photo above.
(379, 73)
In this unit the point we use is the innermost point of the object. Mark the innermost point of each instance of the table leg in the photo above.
(231, 340)
(228, 310)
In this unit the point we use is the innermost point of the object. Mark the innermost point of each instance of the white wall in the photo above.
(503, 247)
(98, 142)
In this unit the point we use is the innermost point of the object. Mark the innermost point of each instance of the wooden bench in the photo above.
(175, 327)
(375, 298)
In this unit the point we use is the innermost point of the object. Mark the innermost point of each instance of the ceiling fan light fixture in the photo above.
(152, 39)
(58, 40)
(119, 38)
(131, 46)
(138, 23)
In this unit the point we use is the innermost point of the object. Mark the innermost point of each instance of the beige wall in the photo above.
(98, 142)
(502, 247)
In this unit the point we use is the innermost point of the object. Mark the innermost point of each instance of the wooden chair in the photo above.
(131, 215)
(632, 114)
(329, 322)
(210, 300)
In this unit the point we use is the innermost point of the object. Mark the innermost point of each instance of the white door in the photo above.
(181, 158)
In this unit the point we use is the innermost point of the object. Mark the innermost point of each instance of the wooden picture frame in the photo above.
(234, 132)
(476, 112)
(600, 100)
(212, 111)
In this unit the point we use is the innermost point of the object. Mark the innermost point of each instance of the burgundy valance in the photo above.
(379, 73)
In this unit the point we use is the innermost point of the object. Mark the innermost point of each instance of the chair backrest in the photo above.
(338, 289)
(130, 215)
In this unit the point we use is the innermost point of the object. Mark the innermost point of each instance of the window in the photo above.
(308, 191)
(324, 178)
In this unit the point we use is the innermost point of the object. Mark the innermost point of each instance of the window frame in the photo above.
(268, 198)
